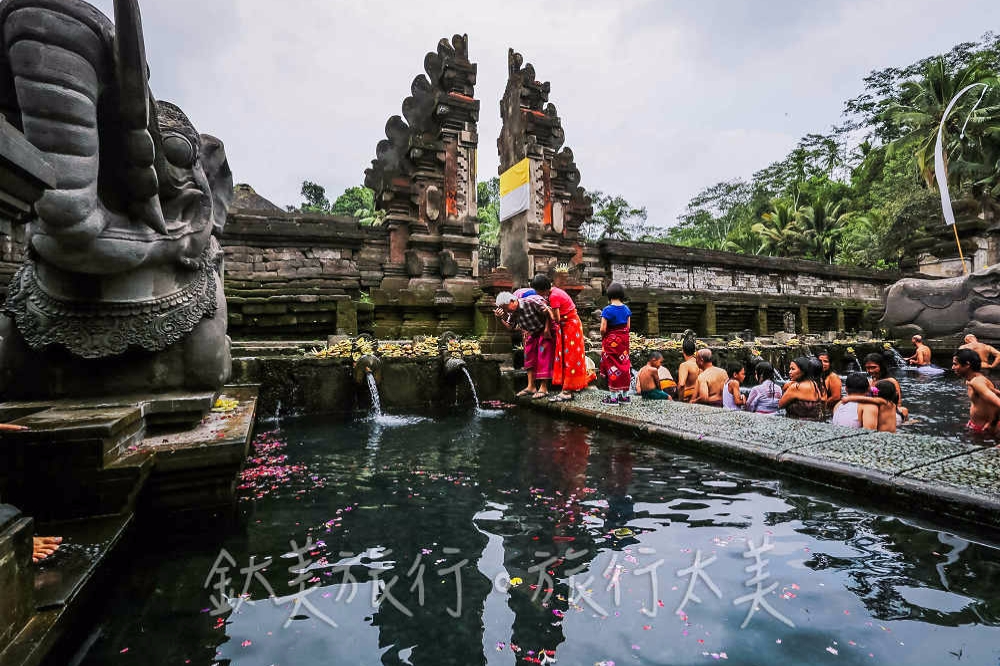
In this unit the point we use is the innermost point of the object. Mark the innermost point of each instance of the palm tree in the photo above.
(822, 227)
(780, 231)
(921, 107)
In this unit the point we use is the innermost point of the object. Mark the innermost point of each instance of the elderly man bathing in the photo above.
(984, 350)
(711, 381)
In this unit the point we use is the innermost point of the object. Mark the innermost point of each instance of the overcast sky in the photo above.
(658, 99)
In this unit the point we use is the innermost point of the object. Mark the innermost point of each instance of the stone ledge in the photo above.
(925, 474)
(630, 251)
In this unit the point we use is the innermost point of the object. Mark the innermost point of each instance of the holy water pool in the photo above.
(410, 499)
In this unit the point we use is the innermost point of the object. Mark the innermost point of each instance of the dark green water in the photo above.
(403, 503)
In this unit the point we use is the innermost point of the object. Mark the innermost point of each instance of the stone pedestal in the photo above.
(84, 448)
(514, 248)
(16, 577)
(494, 339)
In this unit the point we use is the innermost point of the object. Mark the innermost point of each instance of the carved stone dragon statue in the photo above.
(121, 289)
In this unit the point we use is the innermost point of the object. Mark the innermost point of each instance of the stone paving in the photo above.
(926, 473)
(977, 474)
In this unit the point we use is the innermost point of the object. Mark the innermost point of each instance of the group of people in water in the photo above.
(870, 398)
(554, 355)
(813, 391)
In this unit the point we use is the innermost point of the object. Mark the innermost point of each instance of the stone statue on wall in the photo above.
(121, 288)
(936, 308)
(788, 322)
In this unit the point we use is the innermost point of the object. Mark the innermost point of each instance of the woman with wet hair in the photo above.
(834, 387)
(852, 413)
(764, 397)
(804, 396)
(878, 369)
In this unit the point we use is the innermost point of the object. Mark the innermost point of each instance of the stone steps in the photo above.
(66, 585)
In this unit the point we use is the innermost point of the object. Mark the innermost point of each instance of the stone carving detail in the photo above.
(123, 252)
(788, 322)
(97, 331)
(936, 308)
(424, 173)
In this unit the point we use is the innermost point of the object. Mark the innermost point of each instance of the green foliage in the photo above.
(488, 205)
(354, 199)
(615, 219)
(835, 200)
(779, 231)
(720, 217)
(357, 202)
(919, 110)
(315, 198)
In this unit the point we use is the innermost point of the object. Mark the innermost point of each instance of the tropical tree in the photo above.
(779, 233)
(355, 199)
(822, 226)
(615, 218)
(357, 202)
(920, 110)
(862, 241)
(720, 217)
(488, 205)
(315, 199)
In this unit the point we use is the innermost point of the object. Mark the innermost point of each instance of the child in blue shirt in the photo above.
(616, 322)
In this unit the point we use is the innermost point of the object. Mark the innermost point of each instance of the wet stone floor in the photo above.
(511, 538)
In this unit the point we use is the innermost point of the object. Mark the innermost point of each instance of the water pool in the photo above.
(446, 513)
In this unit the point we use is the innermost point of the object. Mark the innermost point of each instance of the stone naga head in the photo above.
(137, 185)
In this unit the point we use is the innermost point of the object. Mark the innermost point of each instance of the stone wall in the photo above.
(296, 276)
(673, 288)
(291, 275)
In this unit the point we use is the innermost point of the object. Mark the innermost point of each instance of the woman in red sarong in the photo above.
(616, 321)
(570, 368)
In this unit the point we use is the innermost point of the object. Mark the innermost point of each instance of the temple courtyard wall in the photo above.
(674, 288)
(301, 276)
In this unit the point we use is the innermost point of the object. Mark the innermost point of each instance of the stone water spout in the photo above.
(444, 339)
(453, 366)
(367, 365)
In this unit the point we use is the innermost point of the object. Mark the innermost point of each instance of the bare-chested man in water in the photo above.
(984, 350)
(922, 356)
(711, 381)
(984, 412)
(687, 375)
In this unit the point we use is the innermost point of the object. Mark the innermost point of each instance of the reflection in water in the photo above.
(568, 541)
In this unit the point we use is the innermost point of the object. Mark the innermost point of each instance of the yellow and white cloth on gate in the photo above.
(515, 189)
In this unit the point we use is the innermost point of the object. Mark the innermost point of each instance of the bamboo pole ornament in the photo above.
(941, 169)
